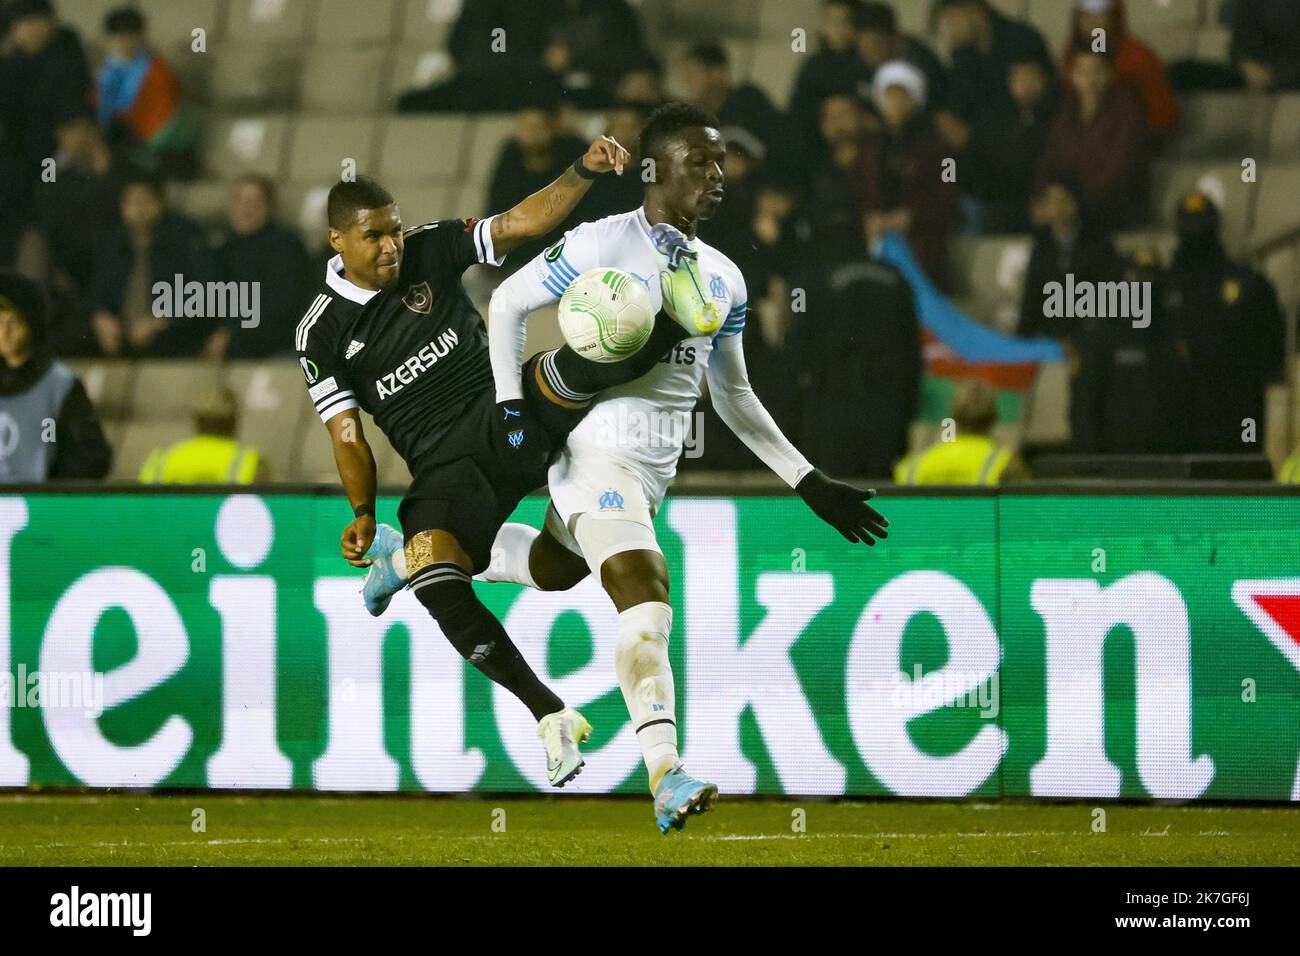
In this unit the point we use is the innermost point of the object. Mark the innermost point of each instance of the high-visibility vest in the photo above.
(1290, 473)
(966, 460)
(203, 459)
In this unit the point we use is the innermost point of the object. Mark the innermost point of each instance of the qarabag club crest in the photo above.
(419, 298)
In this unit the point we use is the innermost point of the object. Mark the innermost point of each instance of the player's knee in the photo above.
(635, 577)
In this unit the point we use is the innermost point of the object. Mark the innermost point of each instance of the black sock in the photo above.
(445, 590)
(584, 377)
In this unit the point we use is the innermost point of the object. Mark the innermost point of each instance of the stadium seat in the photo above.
(194, 70)
(1212, 44)
(427, 202)
(777, 18)
(991, 276)
(1280, 267)
(1278, 211)
(171, 23)
(1047, 405)
(774, 70)
(1224, 124)
(136, 439)
(254, 76)
(428, 22)
(349, 22)
(320, 144)
(302, 207)
(269, 21)
(1172, 41)
(487, 135)
(416, 67)
(164, 388)
(1284, 140)
(338, 79)
(273, 407)
(205, 200)
(108, 383)
(424, 148)
(241, 144)
(1148, 18)
(313, 460)
(1222, 181)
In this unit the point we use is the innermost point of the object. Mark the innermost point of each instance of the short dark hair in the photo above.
(709, 53)
(124, 20)
(148, 179)
(669, 119)
(347, 198)
(875, 18)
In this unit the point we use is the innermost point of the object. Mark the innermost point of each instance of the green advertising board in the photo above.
(1049, 645)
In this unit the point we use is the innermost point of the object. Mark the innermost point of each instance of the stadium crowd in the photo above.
(1049, 135)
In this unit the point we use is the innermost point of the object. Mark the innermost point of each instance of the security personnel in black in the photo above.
(391, 331)
(1229, 332)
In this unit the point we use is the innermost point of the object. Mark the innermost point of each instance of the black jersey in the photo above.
(413, 355)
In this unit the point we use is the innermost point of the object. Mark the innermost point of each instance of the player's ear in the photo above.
(336, 240)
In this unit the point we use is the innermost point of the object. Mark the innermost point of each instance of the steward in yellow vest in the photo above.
(210, 457)
(972, 457)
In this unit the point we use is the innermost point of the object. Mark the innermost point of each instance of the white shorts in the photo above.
(599, 507)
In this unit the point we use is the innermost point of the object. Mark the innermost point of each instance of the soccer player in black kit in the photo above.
(392, 331)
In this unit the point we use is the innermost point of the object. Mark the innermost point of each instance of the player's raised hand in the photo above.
(605, 154)
(843, 507)
(356, 541)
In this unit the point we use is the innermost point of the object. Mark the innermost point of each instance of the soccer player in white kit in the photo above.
(611, 477)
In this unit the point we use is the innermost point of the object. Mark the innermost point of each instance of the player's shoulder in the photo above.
(608, 229)
(715, 263)
(321, 318)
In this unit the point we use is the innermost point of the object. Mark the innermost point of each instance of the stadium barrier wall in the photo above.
(1134, 643)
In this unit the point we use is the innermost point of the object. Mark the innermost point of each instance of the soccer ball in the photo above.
(606, 315)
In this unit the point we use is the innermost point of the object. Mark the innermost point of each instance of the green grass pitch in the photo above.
(307, 830)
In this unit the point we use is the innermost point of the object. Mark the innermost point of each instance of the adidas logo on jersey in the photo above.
(353, 348)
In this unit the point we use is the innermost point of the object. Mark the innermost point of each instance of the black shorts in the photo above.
(465, 488)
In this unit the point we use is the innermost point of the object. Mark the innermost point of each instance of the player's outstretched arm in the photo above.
(356, 465)
(547, 208)
(839, 504)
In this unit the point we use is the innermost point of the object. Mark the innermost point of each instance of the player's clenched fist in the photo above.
(356, 541)
(605, 154)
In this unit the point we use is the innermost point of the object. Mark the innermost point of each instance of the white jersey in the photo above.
(642, 425)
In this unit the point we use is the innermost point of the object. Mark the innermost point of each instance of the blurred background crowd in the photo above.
(1011, 143)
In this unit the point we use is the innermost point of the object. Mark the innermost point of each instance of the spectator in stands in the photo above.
(258, 249)
(44, 81)
(839, 185)
(906, 190)
(1137, 68)
(152, 244)
(642, 81)
(1289, 474)
(1266, 43)
(212, 456)
(76, 210)
(856, 345)
(1064, 248)
(138, 98)
(834, 68)
(48, 428)
(610, 195)
(878, 42)
(731, 230)
(1005, 148)
(1229, 330)
(706, 74)
(1099, 141)
(538, 152)
(971, 457)
(507, 52)
(984, 44)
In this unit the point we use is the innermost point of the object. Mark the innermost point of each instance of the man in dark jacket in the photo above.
(1230, 334)
(259, 249)
(44, 80)
(834, 68)
(151, 245)
(48, 428)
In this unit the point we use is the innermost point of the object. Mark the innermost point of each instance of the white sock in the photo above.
(641, 659)
(510, 556)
